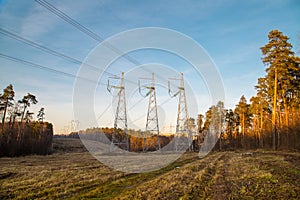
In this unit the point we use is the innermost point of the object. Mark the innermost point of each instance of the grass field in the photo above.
(72, 173)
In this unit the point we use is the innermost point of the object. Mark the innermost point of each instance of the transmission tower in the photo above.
(120, 135)
(152, 128)
(183, 135)
(73, 126)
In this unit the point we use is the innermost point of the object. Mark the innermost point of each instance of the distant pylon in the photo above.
(183, 135)
(152, 128)
(120, 139)
(74, 125)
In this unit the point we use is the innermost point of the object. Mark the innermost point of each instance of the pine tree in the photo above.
(27, 101)
(6, 98)
(243, 112)
(280, 61)
(41, 115)
(230, 127)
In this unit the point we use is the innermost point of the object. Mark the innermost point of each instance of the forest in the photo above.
(271, 118)
(20, 134)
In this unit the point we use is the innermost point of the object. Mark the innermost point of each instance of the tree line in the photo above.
(136, 138)
(271, 119)
(20, 134)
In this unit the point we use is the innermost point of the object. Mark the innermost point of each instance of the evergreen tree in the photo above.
(282, 69)
(243, 111)
(41, 115)
(27, 101)
(6, 100)
(230, 127)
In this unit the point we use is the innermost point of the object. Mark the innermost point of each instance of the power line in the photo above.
(38, 66)
(53, 52)
(87, 31)
(141, 116)
(74, 23)
(31, 64)
(18, 60)
(46, 49)
(83, 29)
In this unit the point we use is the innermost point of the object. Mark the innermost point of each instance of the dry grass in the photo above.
(56, 176)
(223, 175)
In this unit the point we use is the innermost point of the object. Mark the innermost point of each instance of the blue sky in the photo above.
(231, 32)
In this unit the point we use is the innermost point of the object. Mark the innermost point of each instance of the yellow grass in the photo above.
(73, 173)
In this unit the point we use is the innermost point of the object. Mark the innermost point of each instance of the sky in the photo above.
(230, 32)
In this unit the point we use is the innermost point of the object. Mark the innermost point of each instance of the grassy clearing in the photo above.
(51, 176)
(221, 175)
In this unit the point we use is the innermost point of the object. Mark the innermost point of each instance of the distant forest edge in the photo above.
(136, 139)
(19, 133)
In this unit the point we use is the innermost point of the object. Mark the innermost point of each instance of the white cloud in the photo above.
(39, 21)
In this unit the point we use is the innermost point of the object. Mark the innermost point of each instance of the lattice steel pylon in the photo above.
(74, 125)
(152, 127)
(183, 135)
(120, 135)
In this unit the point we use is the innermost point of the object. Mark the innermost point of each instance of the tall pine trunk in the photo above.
(4, 115)
(274, 129)
(261, 127)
